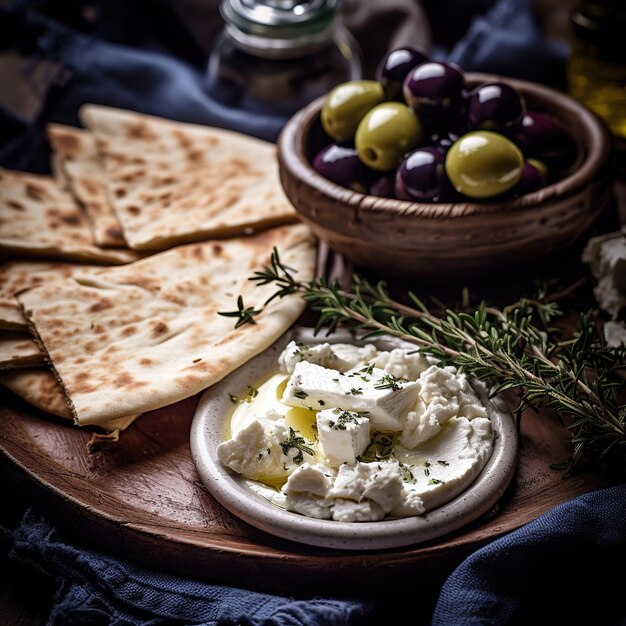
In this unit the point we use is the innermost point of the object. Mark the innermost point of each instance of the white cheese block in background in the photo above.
(606, 256)
(340, 357)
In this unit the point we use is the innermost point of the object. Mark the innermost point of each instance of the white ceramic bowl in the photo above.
(209, 428)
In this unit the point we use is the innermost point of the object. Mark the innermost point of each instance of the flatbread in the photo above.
(142, 336)
(19, 349)
(39, 387)
(77, 164)
(11, 317)
(173, 183)
(38, 218)
(19, 275)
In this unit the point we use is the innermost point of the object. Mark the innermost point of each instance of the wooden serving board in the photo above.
(141, 498)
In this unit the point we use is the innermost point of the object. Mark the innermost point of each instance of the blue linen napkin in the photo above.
(94, 588)
(565, 567)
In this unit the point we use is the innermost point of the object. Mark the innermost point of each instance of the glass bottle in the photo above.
(275, 56)
(597, 67)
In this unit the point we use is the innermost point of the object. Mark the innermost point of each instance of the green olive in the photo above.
(540, 166)
(345, 106)
(483, 164)
(386, 134)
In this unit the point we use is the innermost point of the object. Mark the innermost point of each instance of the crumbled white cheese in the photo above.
(384, 485)
(606, 257)
(363, 491)
(349, 356)
(409, 504)
(315, 478)
(433, 435)
(445, 465)
(342, 435)
(349, 511)
(615, 333)
(383, 398)
(402, 363)
(444, 394)
(340, 357)
(309, 505)
(261, 451)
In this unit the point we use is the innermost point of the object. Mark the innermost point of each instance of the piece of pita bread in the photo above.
(11, 317)
(16, 276)
(78, 166)
(19, 349)
(39, 219)
(138, 337)
(173, 183)
(39, 387)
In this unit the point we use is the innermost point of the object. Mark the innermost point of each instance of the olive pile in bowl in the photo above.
(418, 132)
(448, 193)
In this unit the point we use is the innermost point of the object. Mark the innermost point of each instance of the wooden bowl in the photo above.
(459, 240)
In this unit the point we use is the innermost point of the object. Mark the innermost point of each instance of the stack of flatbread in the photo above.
(119, 263)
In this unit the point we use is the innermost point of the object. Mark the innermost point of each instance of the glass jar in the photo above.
(597, 68)
(275, 56)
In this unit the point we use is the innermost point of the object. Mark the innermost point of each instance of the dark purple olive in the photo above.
(437, 91)
(394, 67)
(534, 176)
(496, 106)
(384, 186)
(443, 140)
(341, 165)
(421, 176)
(543, 137)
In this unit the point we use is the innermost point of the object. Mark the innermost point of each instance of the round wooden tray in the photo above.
(141, 498)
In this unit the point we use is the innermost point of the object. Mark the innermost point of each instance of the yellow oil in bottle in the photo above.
(597, 67)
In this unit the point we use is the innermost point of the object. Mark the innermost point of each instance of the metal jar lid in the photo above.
(281, 28)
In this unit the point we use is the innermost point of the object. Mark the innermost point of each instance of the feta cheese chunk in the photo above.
(385, 399)
(316, 479)
(615, 333)
(350, 482)
(309, 505)
(444, 394)
(340, 357)
(263, 451)
(349, 511)
(384, 485)
(342, 435)
(402, 363)
(381, 481)
(409, 504)
(606, 257)
(447, 464)
(349, 356)
(294, 352)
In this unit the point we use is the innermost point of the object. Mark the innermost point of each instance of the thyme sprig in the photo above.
(518, 347)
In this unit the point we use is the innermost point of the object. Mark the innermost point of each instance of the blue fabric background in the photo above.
(565, 554)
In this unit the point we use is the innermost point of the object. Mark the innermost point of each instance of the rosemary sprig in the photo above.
(244, 315)
(518, 347)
